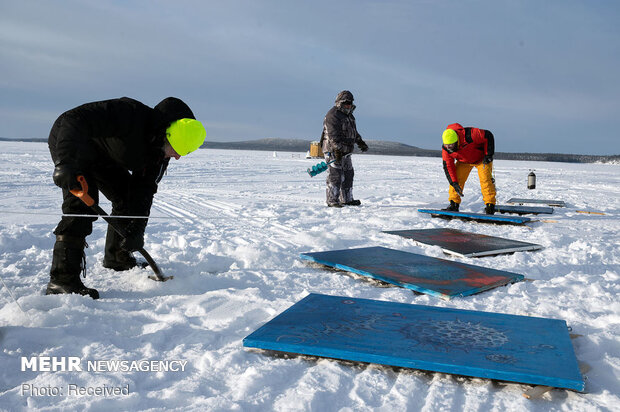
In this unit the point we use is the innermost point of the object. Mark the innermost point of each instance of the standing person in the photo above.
(464, 148)
(122, 148)
(338, 137)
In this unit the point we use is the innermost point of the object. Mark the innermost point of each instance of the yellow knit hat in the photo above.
(449, 136)
(186, 135)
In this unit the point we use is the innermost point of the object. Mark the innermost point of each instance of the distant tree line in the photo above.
(381, 147)
(558, 157)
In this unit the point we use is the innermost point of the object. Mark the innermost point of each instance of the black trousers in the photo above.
(113, 182)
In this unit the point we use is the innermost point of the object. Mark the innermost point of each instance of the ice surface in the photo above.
(230, 225)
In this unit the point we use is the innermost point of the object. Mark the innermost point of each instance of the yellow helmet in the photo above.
(186, 135)
(449, 136)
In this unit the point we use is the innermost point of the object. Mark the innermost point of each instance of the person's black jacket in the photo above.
(118, 133)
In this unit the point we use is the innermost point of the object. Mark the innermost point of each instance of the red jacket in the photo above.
(474, 145)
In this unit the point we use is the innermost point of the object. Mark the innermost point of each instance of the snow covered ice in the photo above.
(230, 225)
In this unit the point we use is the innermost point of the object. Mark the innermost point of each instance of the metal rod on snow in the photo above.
(85, 215)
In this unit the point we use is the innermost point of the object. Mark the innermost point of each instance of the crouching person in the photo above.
(463, 149)
(122, 148)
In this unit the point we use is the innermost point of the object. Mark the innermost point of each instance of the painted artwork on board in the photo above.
(438, 277)
(482, 344)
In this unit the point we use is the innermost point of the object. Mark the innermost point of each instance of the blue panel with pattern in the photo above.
(513, 348)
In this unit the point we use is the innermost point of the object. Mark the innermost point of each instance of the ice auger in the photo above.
(321, 167)
(89, 201)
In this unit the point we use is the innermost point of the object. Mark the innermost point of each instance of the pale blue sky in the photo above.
(541, 75)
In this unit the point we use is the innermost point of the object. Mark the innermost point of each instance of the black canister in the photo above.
(531, 180)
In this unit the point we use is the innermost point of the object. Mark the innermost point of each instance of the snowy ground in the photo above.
(230, 226)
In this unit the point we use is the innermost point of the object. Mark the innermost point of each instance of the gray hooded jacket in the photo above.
(339, 129)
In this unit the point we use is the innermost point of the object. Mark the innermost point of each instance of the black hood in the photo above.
(173, 109)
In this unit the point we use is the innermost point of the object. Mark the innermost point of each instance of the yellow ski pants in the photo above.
(485, 174)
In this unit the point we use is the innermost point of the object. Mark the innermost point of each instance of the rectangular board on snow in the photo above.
(424, 274)
(465, 244)
(522, 349)
(479, 217)
(523, 210)
(558, 203)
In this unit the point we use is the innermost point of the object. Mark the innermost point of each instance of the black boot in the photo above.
(68, 262)
(354, 202)
(454, 207)
(115, 257)
(489, 209)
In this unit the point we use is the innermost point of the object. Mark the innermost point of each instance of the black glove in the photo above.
(458, 189)
(65, 176)
(363, 146)
(337, 155)
(487, 159)
(134, 235)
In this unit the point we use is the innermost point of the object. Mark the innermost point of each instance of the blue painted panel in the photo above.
(458, 242)
(425, 274)
(558, 203)
(523, 209)
(480, 217)
(513, 348)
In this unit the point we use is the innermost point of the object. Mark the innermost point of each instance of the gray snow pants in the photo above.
(339, 180)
